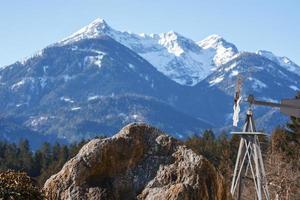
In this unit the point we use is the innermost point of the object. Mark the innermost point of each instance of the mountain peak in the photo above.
(94, 29)
(171, 35)
(211, 41)
(224, 50)
(281, 60)
(176, 43)
(98, 23)
(214, 37)
(267, 54)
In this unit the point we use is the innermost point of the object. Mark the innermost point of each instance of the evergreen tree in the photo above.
(37, 164)
(46, 155)
(11, 157)
(25, 156)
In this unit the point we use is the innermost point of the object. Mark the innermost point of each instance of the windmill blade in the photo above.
(290, 107)
(291, 102)
(290, 111)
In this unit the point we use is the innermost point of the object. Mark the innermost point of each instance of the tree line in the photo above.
(39, 165)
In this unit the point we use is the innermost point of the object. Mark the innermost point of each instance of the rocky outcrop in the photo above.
(140, 162)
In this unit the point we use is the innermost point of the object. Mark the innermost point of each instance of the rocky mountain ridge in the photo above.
(179, 58)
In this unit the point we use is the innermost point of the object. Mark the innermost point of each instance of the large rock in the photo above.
(140, 162)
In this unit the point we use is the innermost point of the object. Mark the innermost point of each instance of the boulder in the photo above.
(140, 162)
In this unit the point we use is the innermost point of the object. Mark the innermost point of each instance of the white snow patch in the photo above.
(230, 67)
(216, 80)
(22, 82)
(39, 120)
(131, 66)
(257, 84)
(293, 87)
(45, 68)
(169, 40)
(75, 108)
(74, 48)
(68, 78)
(67, 99)
(234, 73)
(96, 60)
(43, 82)
(91, 98)
(96, 51)
(152, 85)
(18, 84)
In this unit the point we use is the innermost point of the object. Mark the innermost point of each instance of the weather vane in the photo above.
(249, 156)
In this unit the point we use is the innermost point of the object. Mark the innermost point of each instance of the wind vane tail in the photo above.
(237, 100)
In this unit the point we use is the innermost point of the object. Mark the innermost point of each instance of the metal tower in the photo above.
(249, 160)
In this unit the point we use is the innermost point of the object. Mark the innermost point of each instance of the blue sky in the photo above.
(29, 25)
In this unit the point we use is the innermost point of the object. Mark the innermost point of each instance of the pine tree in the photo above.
(46, 155)
(37, 164)
(25, 157)
(11, 157)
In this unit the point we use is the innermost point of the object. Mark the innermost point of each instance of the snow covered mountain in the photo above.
(179, 58)
(99, 79)
(94, 86)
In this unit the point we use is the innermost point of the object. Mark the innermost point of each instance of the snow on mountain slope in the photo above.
(223, 51)
(282, 61)
(264, 78)
(57, 92)
(176, 56)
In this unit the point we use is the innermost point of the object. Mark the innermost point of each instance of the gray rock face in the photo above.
(140, 162)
